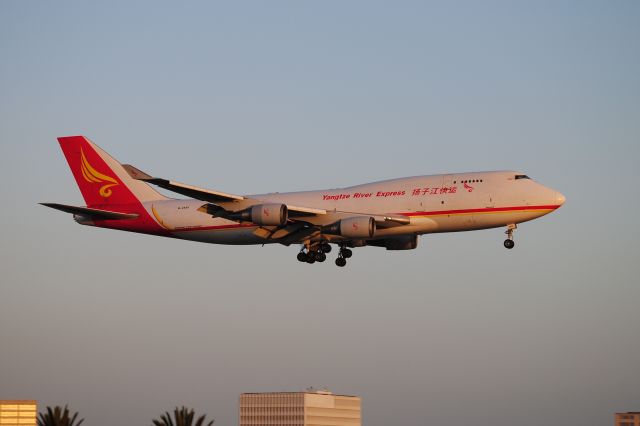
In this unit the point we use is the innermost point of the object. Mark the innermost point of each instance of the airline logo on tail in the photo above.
(91, 175)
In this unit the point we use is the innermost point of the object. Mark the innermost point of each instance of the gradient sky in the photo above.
(253, 97)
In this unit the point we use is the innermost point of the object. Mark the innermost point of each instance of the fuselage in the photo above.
(434, 203)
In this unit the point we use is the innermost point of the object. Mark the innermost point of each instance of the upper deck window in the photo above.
(522, 177)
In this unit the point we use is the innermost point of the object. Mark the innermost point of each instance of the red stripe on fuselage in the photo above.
(208, 228)
(145, 224)
(482, 210)
(409, 214)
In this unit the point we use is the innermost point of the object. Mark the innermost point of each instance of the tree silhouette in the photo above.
(58, 417)
(183, 417)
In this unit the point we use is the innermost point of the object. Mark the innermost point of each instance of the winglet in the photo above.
(136, 173)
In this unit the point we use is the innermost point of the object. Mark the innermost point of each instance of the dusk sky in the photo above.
(252, 97)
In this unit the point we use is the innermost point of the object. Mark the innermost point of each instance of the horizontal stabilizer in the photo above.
(89, 213)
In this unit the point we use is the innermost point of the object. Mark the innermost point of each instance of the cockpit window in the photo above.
(522, 177)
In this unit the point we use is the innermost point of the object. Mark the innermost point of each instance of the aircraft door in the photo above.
(447, 191)
(452, 200)
(487, 195)
(447, 188)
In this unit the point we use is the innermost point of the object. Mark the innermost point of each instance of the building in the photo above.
(310, 408)
(632, 418)
(18, 413)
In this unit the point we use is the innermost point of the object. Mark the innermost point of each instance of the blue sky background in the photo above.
(281, 96)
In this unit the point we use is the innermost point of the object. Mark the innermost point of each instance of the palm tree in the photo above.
(58, 417)
(183, 417)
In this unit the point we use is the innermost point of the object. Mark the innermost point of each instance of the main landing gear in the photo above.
(343, 255)
(312, 253)
(312, 256)
(508, 243)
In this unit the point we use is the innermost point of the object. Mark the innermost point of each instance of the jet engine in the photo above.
(352, 227)
(263, 215)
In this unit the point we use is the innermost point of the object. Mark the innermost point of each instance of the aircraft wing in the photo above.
(303, 222)
(182, 188)
(220, 202)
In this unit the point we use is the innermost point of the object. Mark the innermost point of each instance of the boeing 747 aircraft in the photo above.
(390, 214)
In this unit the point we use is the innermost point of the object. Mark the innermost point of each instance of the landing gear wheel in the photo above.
(302, 256)
(508, 243)
(311, 258)
(341, 261)
(346, 253)
(325, 248)
(320, 256)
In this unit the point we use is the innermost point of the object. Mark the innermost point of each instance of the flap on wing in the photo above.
(91, 213)
(182, 188)
(297, 211)
(391, 221)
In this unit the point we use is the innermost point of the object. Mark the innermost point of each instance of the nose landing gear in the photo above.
(509, 243)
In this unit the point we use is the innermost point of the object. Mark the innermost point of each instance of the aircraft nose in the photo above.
(560, 199)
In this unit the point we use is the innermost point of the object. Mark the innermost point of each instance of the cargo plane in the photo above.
(390, 213)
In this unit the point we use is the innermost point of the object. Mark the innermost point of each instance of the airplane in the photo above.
(389, 214)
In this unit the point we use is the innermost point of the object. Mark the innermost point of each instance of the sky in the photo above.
(253, 97)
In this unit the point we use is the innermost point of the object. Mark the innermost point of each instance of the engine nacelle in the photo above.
(263, 215)
(352, 227)
(269, 214)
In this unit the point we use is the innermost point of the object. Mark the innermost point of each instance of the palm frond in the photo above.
(183, 416)
(56, 416)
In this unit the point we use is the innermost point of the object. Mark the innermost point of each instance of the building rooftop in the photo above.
(314, 392)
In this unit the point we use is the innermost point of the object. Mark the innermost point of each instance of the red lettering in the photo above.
(336, 197)
(390, 193)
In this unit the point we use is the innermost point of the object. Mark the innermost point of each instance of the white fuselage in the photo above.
(434, 203)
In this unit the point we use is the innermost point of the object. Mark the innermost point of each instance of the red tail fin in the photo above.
(101, 179)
